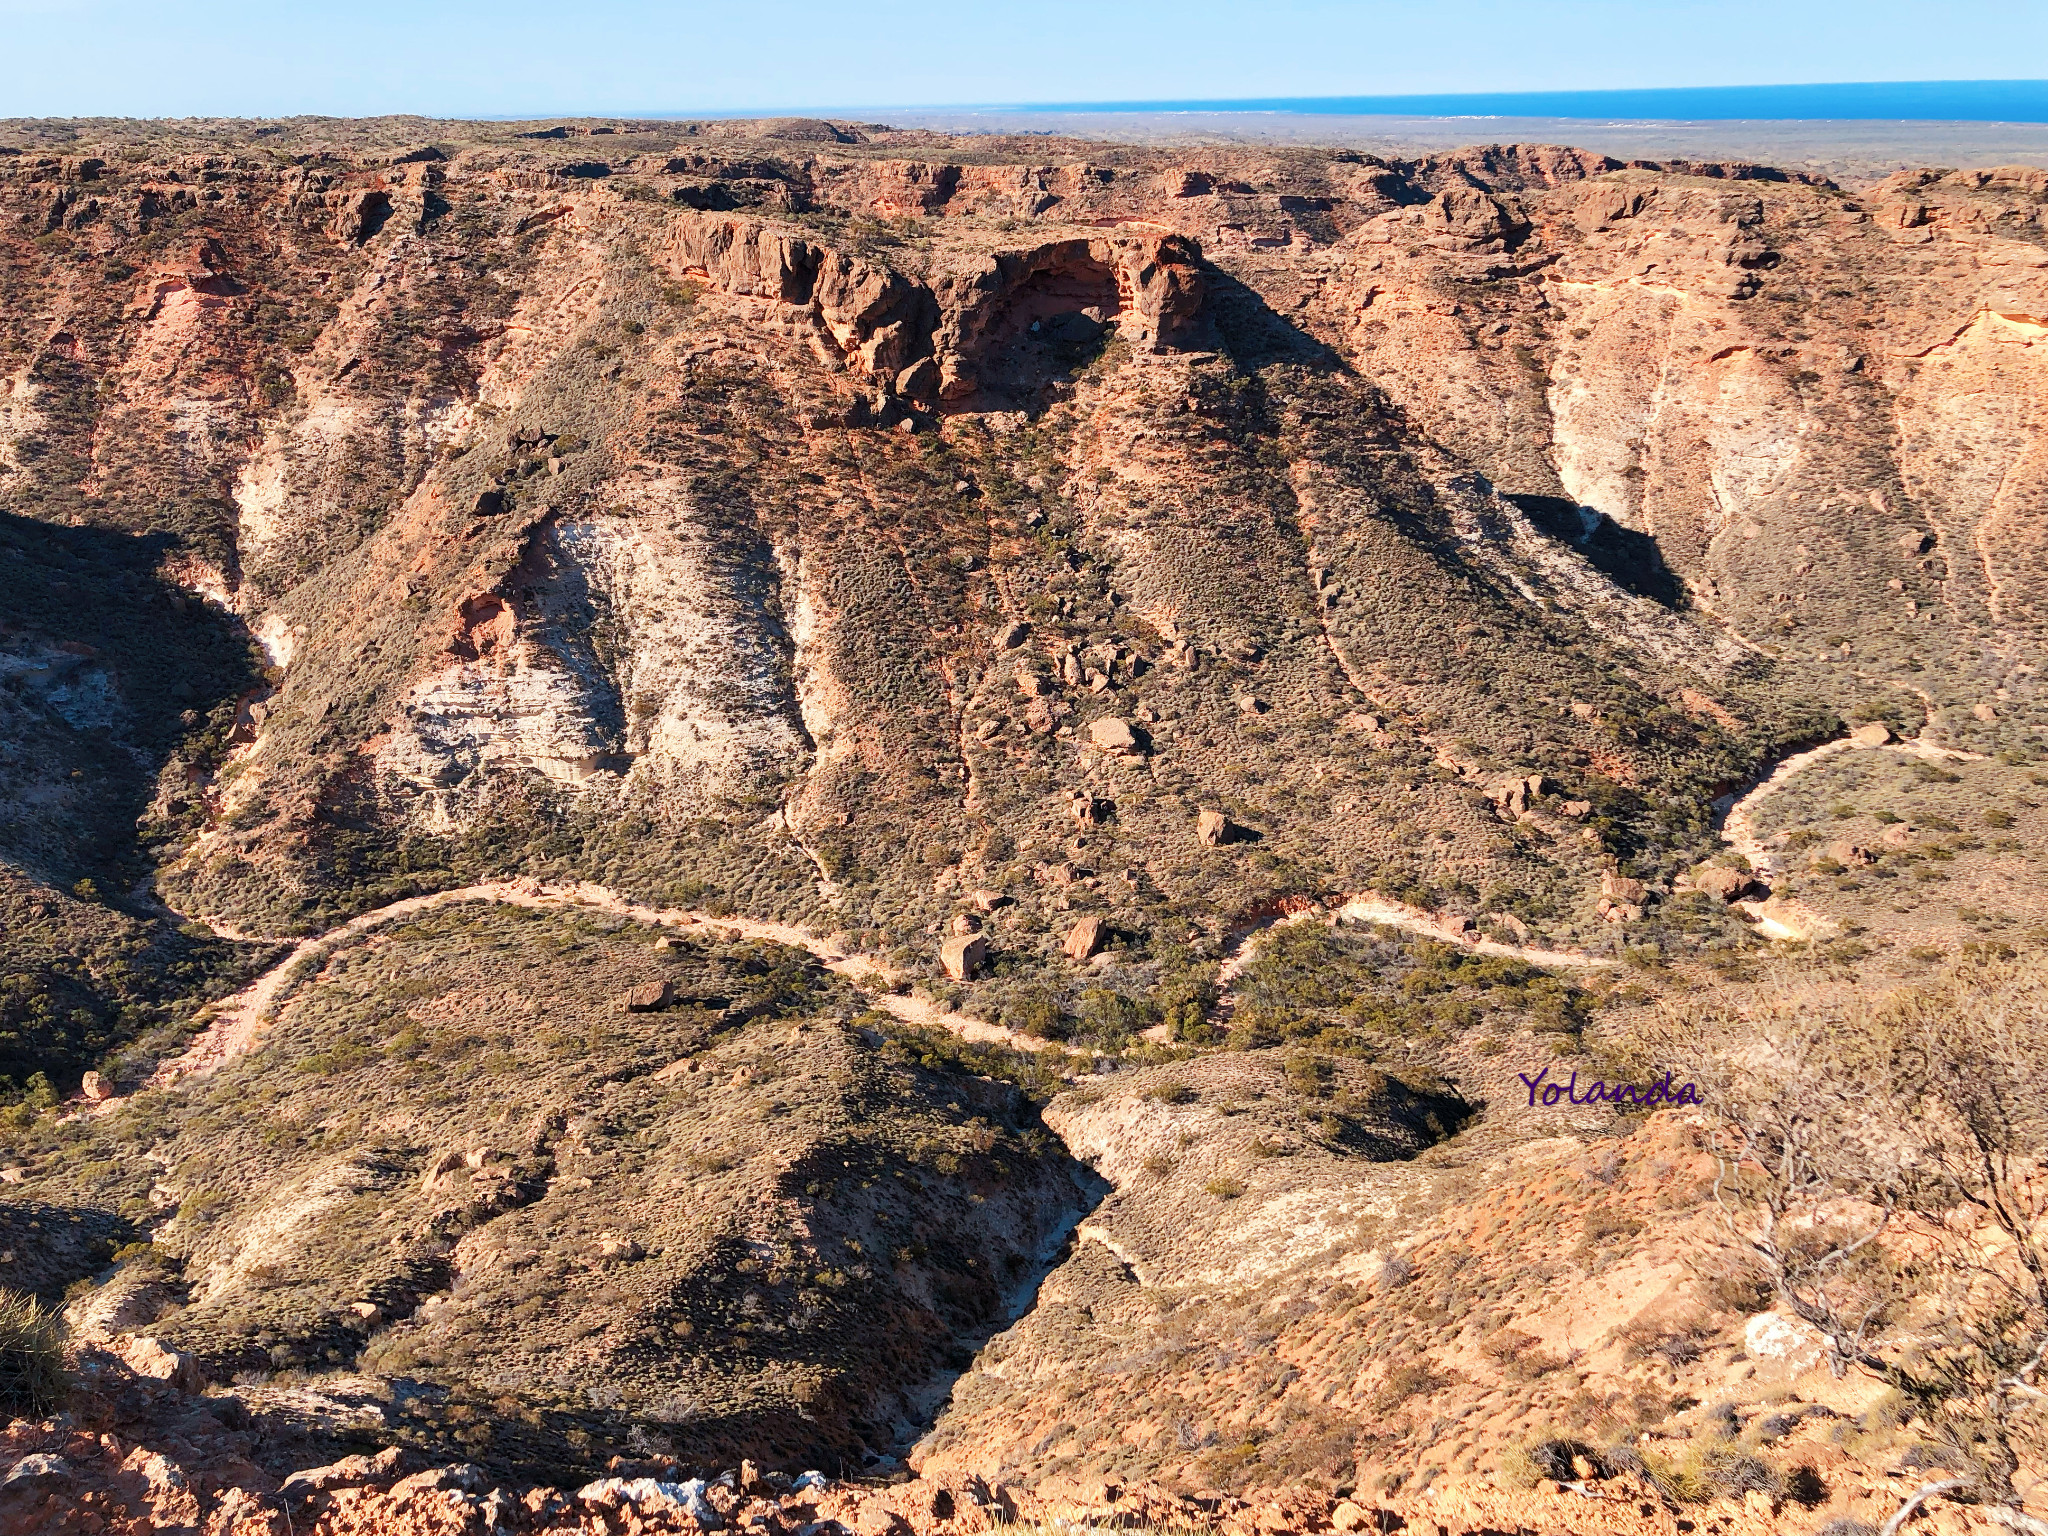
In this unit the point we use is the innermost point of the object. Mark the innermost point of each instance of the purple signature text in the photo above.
(1598, 1092)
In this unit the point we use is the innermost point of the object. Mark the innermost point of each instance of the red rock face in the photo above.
(309, 393)
(832, 529)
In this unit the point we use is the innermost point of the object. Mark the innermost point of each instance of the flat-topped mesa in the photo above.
(882, 323)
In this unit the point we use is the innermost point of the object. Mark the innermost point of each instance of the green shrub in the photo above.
(33, 1381)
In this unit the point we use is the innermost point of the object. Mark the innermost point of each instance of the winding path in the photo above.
(238, 1022)
(1371, 908)
(1778, 918)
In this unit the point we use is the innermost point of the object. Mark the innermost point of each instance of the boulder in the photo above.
(1726, 884)
(1084, 938)
(988, 901)
(965, 922)
(1513, 795)
(1577, 810)
(1033, 685)
(1012, 635)
(96, 1088)
(649, 998)
(161, 1362)
(1213, 829)
(1779, 1339)
(1510, 922)
(1875, 734)
(1112, 734)
(37, 1465)
(963, 955)
(1850, 854)
(349, 1472)
(1899, 835)
(621, 1250)
(1089, 811)
(1621, 888)
(440, 1168)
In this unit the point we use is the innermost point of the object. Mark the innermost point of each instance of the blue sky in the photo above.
(518, 57)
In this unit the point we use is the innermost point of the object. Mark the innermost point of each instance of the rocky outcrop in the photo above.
(882, 322)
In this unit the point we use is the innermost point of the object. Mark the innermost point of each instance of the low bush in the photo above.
(33, 1380)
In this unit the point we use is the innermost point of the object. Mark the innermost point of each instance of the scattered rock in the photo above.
(1112, 734)
(1084, 938)
(1511, 923)
(349, 1472)
(439, 1168)
(1252, 704)
(36, 1466)
(161, 1362)
(1012, 635)
(1985, 712)
(963, 955)
(1726, 884)
(1875, 734)
(645, 1496)
(1850, 854)
(621, 1250)
(1033, 685)
(1577, 810)
(1088, 810)
(1899, 835)
(1513, 795)
(988, 901)
(650, 998)
(1774, 1337)
(1620, 887)
(965, 922)
(1213, 829)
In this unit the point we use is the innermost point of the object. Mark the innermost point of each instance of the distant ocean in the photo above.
(1955, 101)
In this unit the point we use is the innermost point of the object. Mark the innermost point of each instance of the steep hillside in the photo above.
(812, 525)
(824, 794)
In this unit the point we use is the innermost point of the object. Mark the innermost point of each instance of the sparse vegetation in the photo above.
(33, 1379)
